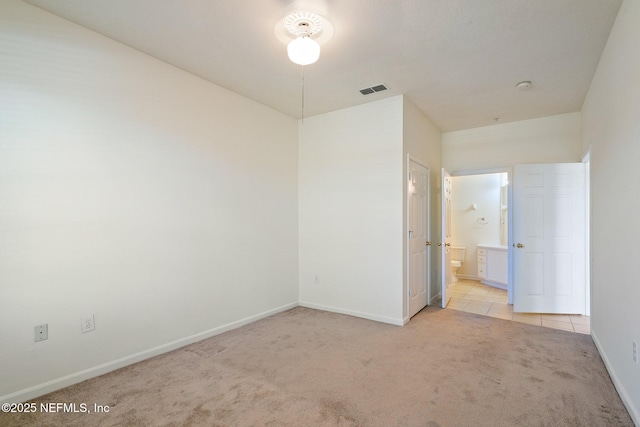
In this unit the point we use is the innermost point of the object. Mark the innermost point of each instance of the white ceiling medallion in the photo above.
(304, 50)
(313, 22)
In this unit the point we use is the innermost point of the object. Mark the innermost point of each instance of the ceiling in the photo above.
(457, 60)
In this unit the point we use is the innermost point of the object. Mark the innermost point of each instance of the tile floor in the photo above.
(474, 297)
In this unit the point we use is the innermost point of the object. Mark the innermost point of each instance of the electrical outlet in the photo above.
(635, 352)
(87, 323)
(41, 332)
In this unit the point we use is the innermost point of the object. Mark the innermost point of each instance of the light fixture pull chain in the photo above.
(302, 106)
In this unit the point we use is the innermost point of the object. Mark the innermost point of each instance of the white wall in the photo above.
(422, 140)
(164, 205)
(466, 228)
(554, 139)
(611, 129)
(350, 211)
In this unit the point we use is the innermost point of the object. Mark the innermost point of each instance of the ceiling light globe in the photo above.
(303, 50)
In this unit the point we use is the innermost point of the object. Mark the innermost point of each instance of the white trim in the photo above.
(510, 243)
(76, 377)
(368, 316)
(587, 180)
(494, 284)
(502, 286)
(436, 297)
(624, 395)
(508, 169)
(468, 277)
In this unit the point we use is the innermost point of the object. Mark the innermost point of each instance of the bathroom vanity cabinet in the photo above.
(493, 265)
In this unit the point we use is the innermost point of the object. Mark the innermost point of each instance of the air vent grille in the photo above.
(373, 89)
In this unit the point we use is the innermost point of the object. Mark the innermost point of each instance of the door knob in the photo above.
(427, 244)
(520, 245)
(447, 244)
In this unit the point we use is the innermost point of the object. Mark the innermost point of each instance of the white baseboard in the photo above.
(377, 318)
(483, 281)
(62, 382)
(436, 297)
(468, 277)
(622, 391)
(494, 284)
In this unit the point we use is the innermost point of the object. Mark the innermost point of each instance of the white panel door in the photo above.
(549, 214)
(418, 192)
(445, 254)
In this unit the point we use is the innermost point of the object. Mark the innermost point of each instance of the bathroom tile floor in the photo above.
(474, 297)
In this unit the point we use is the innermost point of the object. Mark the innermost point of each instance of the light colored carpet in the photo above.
(306, 367)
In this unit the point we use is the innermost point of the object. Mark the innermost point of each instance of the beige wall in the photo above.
(422, 140)
(350, 209)
(163, 204)
(554, 139)
(611, 116)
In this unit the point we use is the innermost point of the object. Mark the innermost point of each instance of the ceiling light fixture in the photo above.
(303, 50)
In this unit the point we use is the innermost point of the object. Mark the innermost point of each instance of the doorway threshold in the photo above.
(474, 297)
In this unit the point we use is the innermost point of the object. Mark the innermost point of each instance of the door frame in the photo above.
(445, 225)
(587, 201)
(411, 158)
(509, 172)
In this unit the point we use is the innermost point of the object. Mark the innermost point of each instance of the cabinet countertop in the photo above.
(499, 247)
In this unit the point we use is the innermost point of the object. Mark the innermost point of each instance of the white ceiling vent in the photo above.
(373, 89)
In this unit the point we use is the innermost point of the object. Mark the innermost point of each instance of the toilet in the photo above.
(457, 258)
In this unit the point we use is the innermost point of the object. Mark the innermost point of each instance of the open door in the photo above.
(446, 238)
(549, 238)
